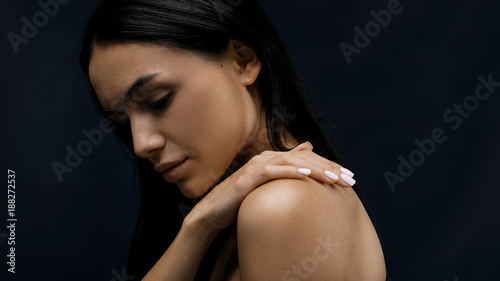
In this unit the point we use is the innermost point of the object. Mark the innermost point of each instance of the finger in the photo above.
(348, 179)
(333, 175)
(271, 172)
(309, 155)
(321, 168)
(303, 146)
(330, 175)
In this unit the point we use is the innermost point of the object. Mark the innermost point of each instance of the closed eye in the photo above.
(162, 103)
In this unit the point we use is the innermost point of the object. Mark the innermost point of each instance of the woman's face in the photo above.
(182, 106)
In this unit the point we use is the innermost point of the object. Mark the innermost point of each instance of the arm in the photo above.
(184, 254)
(220, 207)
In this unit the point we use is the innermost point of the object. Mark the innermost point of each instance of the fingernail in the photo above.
(349, 180)
(331, 175)
(305, 171)
(345, 171)
(310, 143)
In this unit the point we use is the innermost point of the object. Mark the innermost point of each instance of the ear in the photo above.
(245, 61)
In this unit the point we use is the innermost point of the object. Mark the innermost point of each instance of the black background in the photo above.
(440, 223)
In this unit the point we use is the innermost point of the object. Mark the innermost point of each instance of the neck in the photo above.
(258, 144)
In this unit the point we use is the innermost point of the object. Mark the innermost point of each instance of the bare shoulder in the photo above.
(304, 202)
(286, 196)
(295, 229)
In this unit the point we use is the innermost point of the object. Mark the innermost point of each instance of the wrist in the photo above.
(194, 226)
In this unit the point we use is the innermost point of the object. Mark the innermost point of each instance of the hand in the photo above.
(220, 207)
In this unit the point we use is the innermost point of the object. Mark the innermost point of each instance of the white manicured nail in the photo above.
(331, 175)
(305, 171)
(349, 180)
(345, 171)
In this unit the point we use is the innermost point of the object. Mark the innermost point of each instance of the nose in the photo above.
(145, 135)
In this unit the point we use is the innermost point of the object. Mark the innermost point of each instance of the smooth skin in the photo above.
(214, 121)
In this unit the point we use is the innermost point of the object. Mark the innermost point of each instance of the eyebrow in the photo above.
(141, 81)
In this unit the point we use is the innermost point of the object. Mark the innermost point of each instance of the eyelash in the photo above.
(157, 105)
(162, 103)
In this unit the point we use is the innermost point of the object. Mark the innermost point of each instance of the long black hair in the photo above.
(205, 27)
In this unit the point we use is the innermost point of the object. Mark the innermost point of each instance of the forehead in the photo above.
(113, 68)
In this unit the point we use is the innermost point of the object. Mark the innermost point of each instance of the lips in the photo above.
(162, 168)
(171, 170)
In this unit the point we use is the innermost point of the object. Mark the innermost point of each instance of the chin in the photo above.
(193, 190)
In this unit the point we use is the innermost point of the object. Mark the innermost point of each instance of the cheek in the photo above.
(212, 125)
(218, 118)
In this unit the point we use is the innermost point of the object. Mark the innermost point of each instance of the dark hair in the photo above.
(203, 26)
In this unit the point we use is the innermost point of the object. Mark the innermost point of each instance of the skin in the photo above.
(284, 221)
(196, 124)
(214, 120)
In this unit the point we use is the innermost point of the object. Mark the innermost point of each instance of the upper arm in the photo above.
(291, 229)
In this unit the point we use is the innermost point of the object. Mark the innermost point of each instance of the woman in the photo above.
(207, 97)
